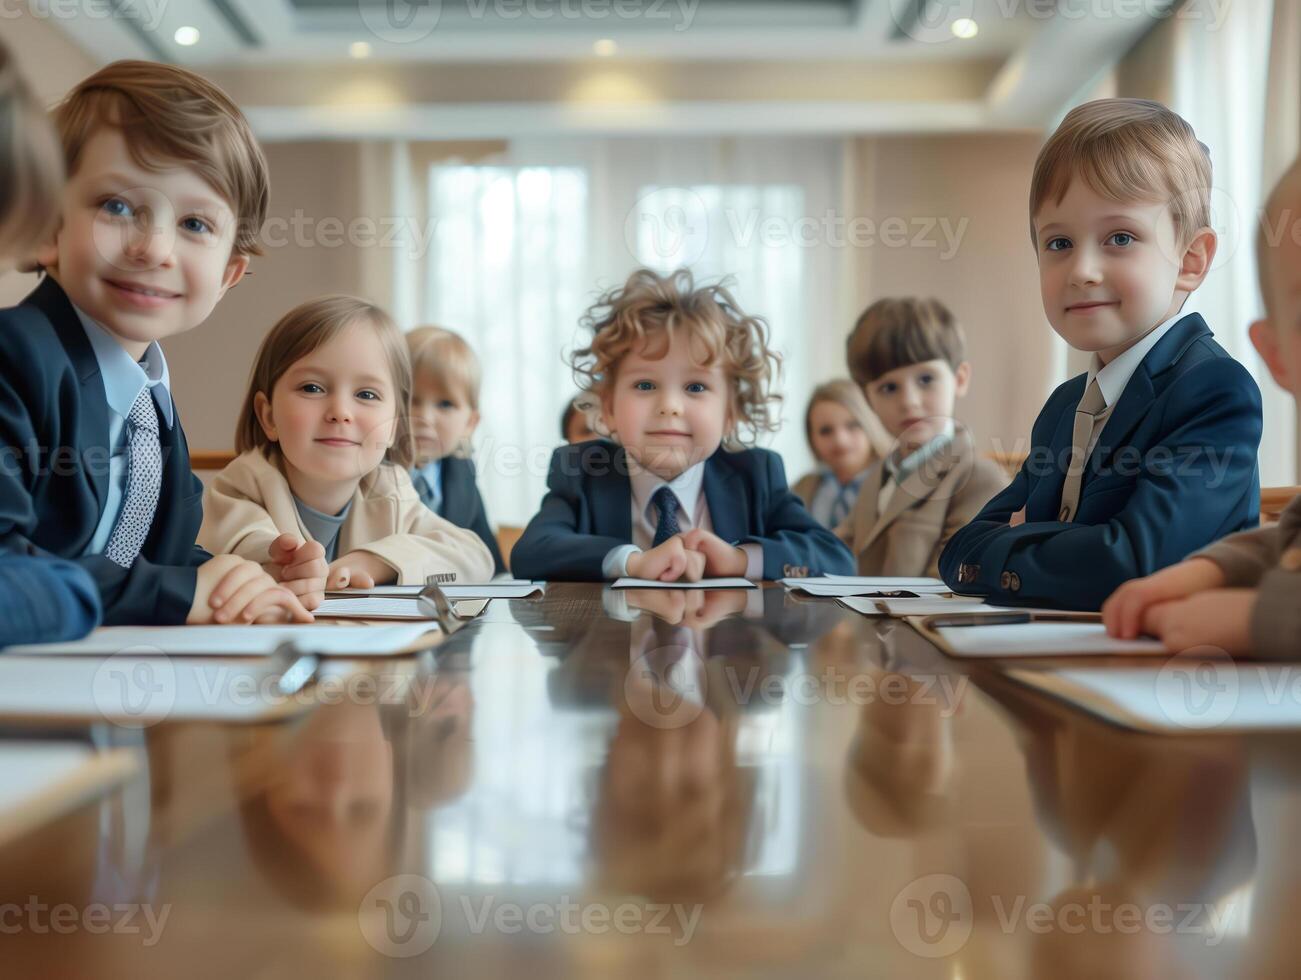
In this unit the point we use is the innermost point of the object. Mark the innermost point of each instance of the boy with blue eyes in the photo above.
(166, 190)
(1151, 455)
(909, 357)
(678, 371)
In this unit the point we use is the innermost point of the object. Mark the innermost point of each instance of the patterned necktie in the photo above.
(143, 482)
(428, 496)
(1092, 410)
(666, 503)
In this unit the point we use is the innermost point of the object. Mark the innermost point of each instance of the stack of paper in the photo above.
(246, 641)
(705, 583)
(836, 586)
(927, 605)
(501, 589)
(1039, 639)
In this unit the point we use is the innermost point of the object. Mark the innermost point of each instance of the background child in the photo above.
(1242, 594)
(845, 439)
(166, 190)
(41, 598)
(909, 355)
(324, 448)
(574, 427)
(1152, 453)
(444, 414)
(677, 370)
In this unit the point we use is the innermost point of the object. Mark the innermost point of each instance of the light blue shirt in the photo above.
(432, 476)
(833, 501)
(123, 379)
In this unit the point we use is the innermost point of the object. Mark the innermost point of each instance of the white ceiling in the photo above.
(1043, 52)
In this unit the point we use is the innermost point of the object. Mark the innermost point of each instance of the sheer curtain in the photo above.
(519, 246)
(1221, 81)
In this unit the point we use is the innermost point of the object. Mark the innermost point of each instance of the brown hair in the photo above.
(849, 396)
(647, 304)
(448, 359)
(894, 333)
(1127, 150)
(169, 115)
(303, 330)
(31, 166)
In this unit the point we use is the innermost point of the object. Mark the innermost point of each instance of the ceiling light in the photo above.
(186, 37)
(965, 28)
(359, 49)
(605, 47)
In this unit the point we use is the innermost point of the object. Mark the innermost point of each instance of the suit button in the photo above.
(1016, 582)
(1291, 560)
(1005, 581)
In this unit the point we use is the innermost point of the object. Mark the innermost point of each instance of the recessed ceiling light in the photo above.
(186, 36)
(359, 49)
(605, 47)
(965, 28)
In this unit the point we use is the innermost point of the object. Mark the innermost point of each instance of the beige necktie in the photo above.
(1090, 413)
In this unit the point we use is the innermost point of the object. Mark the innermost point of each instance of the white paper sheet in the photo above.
(40, 781)
(136, 691)
(836, 590)
(1041, 640)
(349, 641)
(1186, 694)
(374, 607)
(925, 606)
(486, 590)
(885, 581)
(707, 583)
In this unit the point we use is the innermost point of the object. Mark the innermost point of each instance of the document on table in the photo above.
(1186, 694)
(488, 590)
(928, 605)
(838, 588)
(138, 691)
(1033, 639)
(248, 641)
(40, 781)
(706, 583)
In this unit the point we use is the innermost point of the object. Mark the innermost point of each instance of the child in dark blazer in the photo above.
(96, 468)
(1151, 455)
(444, 414)
(678, 370)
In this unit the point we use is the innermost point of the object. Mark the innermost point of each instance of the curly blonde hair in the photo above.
(649, 306)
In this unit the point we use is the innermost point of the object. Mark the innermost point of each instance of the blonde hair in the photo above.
(169, 115)
(1127, 150)
(445, 356)
(848, 396)
(894, 333)
(305, 329)
(648, 304)
(31, 166)
(1289, 185)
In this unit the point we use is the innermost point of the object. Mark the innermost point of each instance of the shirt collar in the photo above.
(430, 471)
(829, 477)
(1112, 378)
(124, 378)
(687, 487)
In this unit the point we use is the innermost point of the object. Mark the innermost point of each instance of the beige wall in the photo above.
(991, 281)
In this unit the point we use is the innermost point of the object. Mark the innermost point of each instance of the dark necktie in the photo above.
(666, 503)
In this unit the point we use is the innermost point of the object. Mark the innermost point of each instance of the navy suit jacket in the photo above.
(54, 420)
(44, 600)
(463, 505)
(588, 511)
(1174, 469)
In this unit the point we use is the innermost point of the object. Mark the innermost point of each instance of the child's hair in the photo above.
(1127, 150)
(894, 333)
(31, 166)
(848, 396)
(650, 305)
(303, 330)
(1282, 209)
(446, 357)
(168, 115)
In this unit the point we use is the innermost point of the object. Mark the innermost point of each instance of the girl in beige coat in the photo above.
(320, 493)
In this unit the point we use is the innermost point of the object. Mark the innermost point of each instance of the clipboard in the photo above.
(1075, 634)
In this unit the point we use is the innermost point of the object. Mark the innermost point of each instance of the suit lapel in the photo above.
(916, 487)
(611, 498)
(729, 508)
(455, 503)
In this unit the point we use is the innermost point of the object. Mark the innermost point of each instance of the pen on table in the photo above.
(299, 671)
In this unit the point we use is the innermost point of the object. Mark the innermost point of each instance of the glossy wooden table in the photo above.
(722, 785)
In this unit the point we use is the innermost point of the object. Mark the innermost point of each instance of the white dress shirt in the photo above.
(693, 511)
(1113, 377)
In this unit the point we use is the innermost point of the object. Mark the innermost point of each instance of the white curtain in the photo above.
(522, 244)
(1220, 86)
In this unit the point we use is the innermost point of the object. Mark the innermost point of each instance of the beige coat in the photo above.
(1268, 559)
(249, 504)
(931, 505)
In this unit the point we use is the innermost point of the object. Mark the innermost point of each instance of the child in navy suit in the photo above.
(41, 598)
(678, 371)
(166, 190)
(1151, 455)
(445, 378)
